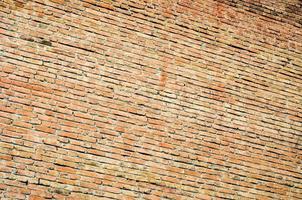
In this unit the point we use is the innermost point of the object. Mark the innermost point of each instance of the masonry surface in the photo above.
(153, 99)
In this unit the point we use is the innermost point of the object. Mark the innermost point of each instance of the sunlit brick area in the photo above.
(150, 99)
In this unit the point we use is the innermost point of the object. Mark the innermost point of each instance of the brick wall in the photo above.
(153, 99)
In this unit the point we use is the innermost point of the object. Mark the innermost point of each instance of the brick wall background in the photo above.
(153, 99)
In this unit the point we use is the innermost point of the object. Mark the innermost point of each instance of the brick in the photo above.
(150, 99)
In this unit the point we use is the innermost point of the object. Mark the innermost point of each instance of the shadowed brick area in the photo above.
(150, 99)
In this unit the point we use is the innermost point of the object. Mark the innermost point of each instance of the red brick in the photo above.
(150, 99)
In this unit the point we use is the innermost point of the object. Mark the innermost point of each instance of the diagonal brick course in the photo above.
(161, 99)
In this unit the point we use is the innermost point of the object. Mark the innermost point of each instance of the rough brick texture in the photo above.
(150, 99)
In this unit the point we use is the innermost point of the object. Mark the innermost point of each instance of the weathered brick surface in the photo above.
(153, 99)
